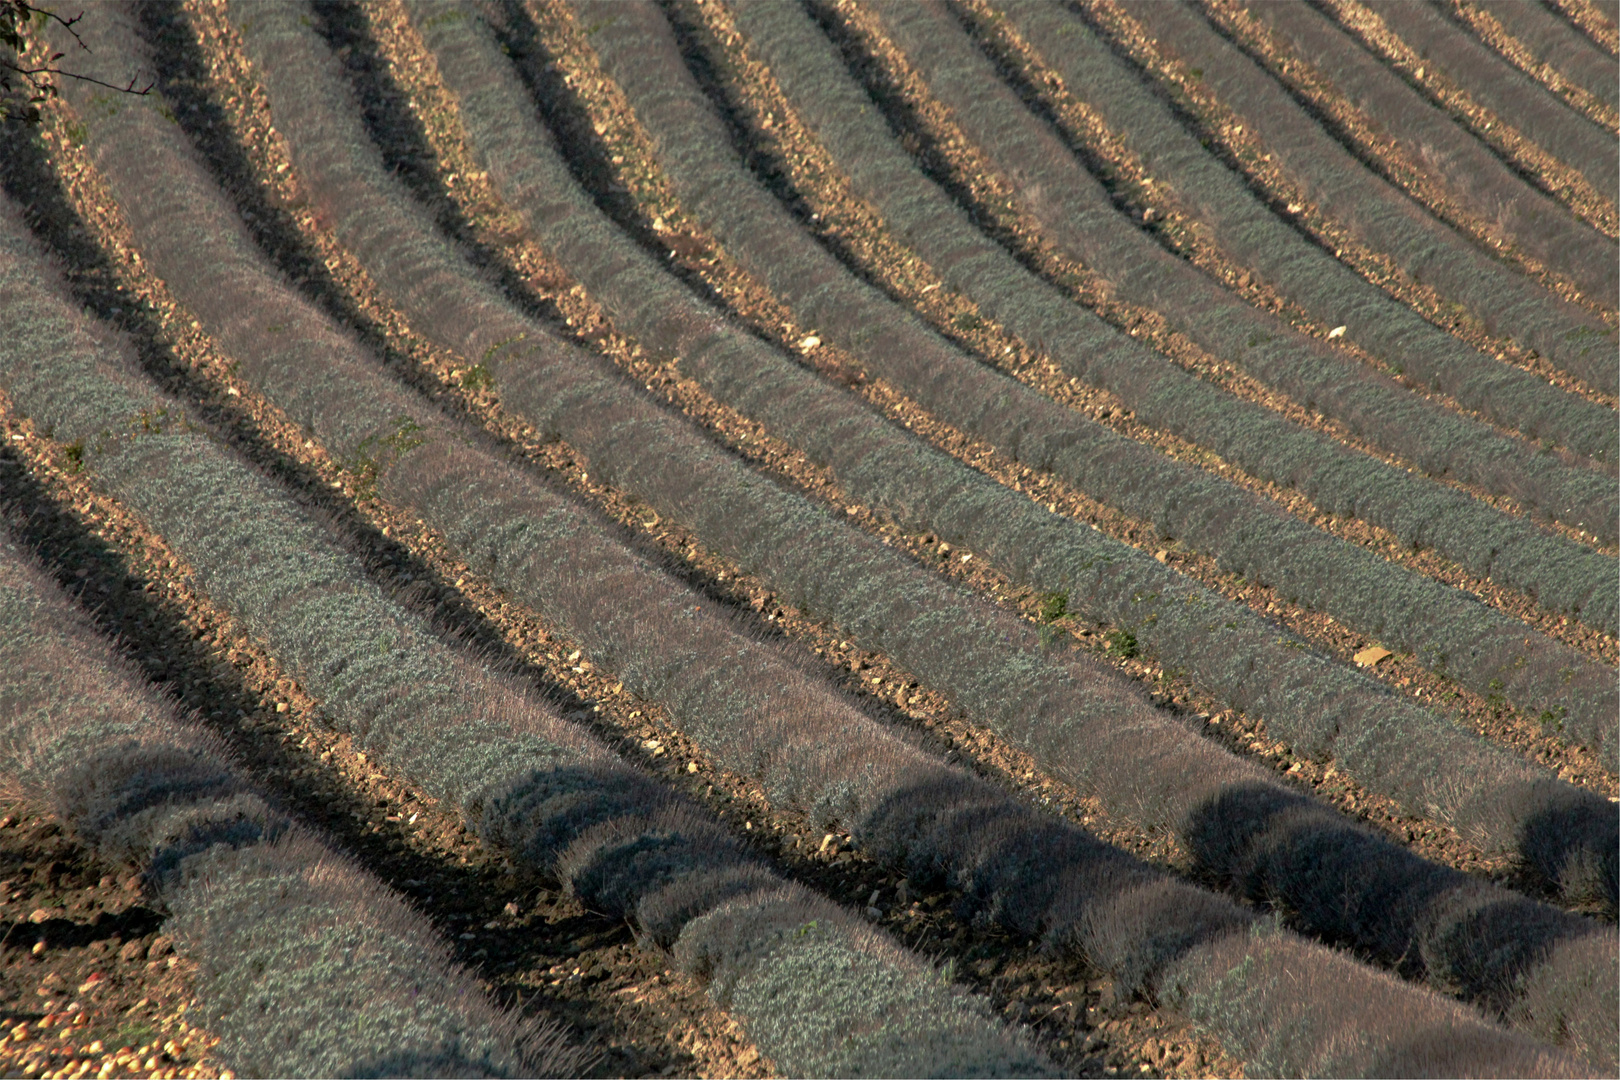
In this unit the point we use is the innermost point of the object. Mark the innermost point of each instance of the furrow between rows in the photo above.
(349, 151)
(1243, 228)
(1546, 46)
(1026, 510)
(522, 777)
(931, 57)
(1174, 41)
(1424, 153)
(619, 839)
(655, 217)
(1501, 106)
(291, 935)
(1160, 393)
(1120, 584)
(1114, 872)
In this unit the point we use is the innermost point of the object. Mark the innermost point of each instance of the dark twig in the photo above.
(15, 17)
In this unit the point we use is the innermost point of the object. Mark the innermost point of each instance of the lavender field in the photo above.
(776, 538)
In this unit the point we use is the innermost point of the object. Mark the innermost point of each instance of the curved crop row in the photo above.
(1506, 303)
(1453, 55)
(1078, 218)
(783, 415)
(520, 776)
(1209, 513)
(1482, 185)
(1167, 937)
(1338, 480)
(1292, 1046)
(1183, 623)
(1552, 42)
(914, 25)
(632, 642)
(1257, 239)
(872, 593)
(289, 933)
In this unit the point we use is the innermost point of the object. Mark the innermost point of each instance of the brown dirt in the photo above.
(529, 944)
(1241, 150)
(1595, 19)
(88, 983)
(1549, 174)
(1378, 151)
(1478, 18)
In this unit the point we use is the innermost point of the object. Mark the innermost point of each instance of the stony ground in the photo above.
(88, 983)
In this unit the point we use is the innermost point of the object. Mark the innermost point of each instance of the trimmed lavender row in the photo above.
(519, 776)
(1529, 220)
(813, 749)
(1518, 100)
(310, 966)
(1077, 216)
(1506, 303)
(623, 437)
(1552, 41)
(1381, 600)
(1186, 625)
(1247, 230)
(1313, 721)
(1337, 479)
(807, 560)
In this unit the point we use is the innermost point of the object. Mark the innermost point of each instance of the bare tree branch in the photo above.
(15, 19)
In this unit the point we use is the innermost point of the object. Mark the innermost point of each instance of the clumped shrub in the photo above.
(290, 934)
(1122, 643)
(519, 774)
(751, 714)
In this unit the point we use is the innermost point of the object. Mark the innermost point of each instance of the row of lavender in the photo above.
(520, 776)
(874, 598)
(546, 555)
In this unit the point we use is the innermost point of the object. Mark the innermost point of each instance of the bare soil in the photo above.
(531, 945)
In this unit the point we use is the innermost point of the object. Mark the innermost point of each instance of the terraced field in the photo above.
(739, 537)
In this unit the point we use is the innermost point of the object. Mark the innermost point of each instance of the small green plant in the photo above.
(75, 455)
(1494, 696)
(477, 377)
(148, 422)
(967, 322)
(1553, 718)
(1053, 606)
(377, 452)
(136, 1033)
(443, 18)
(489, 353)
(1122, 643)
